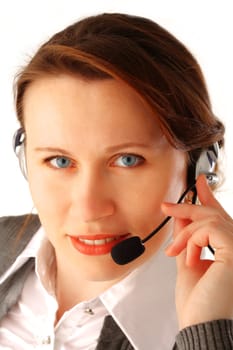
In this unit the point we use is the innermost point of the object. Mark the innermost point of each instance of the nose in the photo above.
(92, 197)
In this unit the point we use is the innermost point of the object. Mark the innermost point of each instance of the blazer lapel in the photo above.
(10, 289)
(11, 247)
(112, 337)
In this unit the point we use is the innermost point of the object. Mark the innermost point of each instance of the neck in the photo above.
(73, 288)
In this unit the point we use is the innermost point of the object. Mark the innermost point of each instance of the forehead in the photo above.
(71, 103)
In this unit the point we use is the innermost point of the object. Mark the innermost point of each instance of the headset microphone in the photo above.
(131, 248)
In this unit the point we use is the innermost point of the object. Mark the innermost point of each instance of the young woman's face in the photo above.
(99, 168)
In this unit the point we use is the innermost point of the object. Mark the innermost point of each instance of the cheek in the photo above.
(48, 198)
(146, 211)
(167, 185)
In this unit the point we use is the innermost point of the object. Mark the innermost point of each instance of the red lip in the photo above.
(100, 249)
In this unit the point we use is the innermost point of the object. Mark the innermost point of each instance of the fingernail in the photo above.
(168, 249)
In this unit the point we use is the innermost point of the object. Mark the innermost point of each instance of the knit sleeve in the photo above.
(214, 335)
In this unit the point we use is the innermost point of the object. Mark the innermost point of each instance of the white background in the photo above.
(204, 26)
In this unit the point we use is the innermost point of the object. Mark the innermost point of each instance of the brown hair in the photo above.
(146, 57)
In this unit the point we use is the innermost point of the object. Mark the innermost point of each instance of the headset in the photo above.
(19, 149)
(131, 248)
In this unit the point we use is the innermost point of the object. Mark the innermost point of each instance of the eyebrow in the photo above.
(110, 148)
(52, 149)
(128, 145)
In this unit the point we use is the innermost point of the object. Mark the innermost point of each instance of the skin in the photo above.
(96, 124)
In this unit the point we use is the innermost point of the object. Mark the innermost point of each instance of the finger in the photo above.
(210, 205)
(206, 195)
(172, 250)
(193, 212)
(179, 225)
(201, 234)
(210, 219)
(210, 225)
(193, 254)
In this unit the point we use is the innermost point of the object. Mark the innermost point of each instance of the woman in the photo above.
(116, 124)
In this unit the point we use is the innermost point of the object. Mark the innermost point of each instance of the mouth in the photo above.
(98, 245)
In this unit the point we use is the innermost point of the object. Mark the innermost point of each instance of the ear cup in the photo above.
(19, 149)
(206, 163)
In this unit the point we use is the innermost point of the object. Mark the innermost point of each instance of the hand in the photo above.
(204, 289)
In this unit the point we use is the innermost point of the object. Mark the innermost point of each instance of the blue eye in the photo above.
(60, 162)
(129, 160)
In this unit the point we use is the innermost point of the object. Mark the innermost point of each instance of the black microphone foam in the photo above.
(127, 250)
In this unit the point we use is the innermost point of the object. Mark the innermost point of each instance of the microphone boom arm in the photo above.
(169, 217)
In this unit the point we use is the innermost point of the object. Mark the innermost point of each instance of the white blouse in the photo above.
(142, 304)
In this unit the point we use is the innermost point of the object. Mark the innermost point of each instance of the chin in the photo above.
(103, 269)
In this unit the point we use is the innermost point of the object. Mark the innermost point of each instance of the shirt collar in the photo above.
(143, 304)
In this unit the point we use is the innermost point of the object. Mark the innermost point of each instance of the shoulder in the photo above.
(17, 229)
(15, 233)
(14, 220)
(11, 226)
